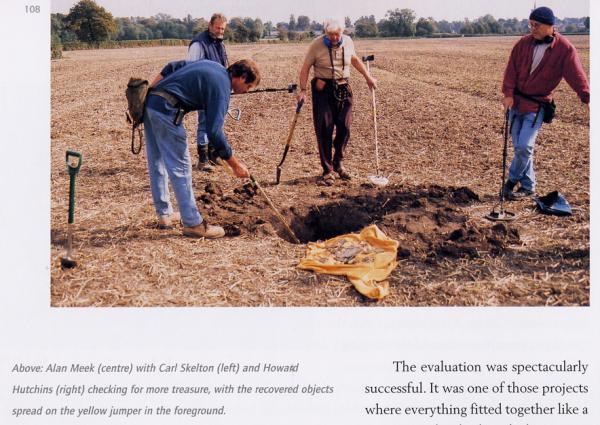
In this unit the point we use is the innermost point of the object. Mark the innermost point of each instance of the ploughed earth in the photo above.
(440, 125)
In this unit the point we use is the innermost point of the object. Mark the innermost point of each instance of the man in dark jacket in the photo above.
(537, 64)
(208, 45)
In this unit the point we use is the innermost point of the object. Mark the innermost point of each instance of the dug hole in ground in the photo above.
(440, 132)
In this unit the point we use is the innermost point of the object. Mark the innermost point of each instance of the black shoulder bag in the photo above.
(341, 92)
(548, 108)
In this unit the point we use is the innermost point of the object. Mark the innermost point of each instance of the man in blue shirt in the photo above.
(208, 45)
(182, 87)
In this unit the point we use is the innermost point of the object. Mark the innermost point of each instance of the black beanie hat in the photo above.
(543, 15)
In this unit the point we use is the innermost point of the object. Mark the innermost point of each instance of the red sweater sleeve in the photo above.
(574, 75)
(510, 74)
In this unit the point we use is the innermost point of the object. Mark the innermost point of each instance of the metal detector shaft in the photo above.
(288, 142)
(291, 88)
(260, 189)
(367, 60)
(504, 156)
(277, 214)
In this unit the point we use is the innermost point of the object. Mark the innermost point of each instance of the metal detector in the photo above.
(498, 213)
(291, 88)
(236, 113)
(377, 180)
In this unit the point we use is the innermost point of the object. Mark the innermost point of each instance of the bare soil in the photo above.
(440, 132)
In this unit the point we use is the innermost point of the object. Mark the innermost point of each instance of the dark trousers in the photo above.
(328, 113)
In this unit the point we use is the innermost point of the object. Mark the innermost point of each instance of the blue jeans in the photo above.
(169, 160)
(524, 132)
(201, 137)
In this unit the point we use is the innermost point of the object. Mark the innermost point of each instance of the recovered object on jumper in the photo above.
(366, 258)
(553, 203)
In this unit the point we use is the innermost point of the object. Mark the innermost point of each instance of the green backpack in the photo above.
(136, 92)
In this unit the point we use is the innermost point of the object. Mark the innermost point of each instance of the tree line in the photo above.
(87, 22)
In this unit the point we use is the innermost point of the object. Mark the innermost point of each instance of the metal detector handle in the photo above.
(367, 59)
(238, 113)
(291, 88)
(277, 213)
(299, 106)
(504, 156)
(73, 168)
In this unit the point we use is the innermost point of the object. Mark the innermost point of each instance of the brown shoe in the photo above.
(328, 179)
(204, 230)
(344, 175)
(165, 222)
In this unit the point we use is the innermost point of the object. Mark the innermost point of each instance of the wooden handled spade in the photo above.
(74, 160)
(289, 140)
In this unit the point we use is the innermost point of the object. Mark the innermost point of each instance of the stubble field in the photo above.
(440, 132)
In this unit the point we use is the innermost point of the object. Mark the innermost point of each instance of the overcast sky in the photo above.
(280, 10)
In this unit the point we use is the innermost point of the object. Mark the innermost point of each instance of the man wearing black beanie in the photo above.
(537, 64)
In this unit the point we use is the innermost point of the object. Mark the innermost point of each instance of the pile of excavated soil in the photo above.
(429, 222)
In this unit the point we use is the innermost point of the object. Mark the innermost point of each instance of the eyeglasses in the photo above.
(533, 25)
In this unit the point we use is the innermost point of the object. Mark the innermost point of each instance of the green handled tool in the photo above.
(74, 160)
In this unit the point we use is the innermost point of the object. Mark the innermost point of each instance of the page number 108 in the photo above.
(34, 8)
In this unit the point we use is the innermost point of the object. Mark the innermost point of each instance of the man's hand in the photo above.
(301, 95)
(508, 102)
(371, 82)
(239, 169)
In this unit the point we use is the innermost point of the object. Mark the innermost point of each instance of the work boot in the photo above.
(203, 160)
(328, 179)
(204, 230)
(344, 175)
(165, 222)
(507, 189)
(522, 193)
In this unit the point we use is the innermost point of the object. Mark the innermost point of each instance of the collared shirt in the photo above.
(318, 57)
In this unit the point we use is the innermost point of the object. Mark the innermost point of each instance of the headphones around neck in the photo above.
(328, 43)
(546, 40)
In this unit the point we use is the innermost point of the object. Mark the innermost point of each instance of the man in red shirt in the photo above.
(537, 64)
